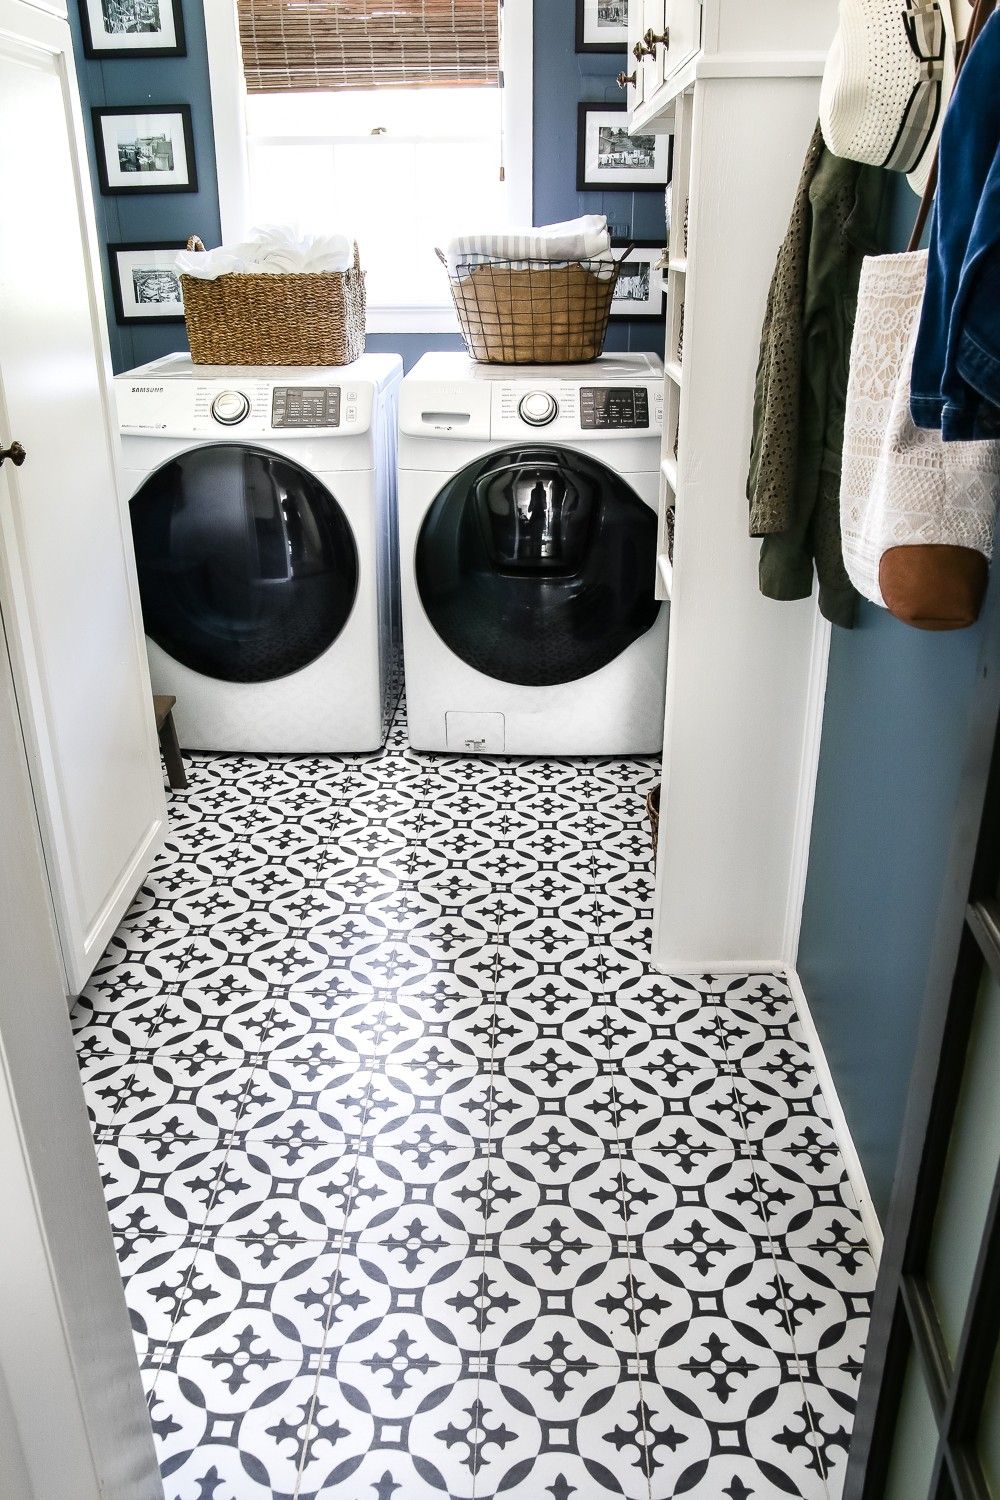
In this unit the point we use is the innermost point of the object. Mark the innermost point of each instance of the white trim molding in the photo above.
(517, 62)
(841, 1129)
(229, 123)
(805, 801)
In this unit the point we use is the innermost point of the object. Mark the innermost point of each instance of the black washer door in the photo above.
(247, 566)
(535, 565)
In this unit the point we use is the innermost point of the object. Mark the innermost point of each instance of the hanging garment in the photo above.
(916, 513)
(956, 364)
(794, 481)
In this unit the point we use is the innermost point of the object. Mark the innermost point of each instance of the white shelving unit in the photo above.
(738, 85)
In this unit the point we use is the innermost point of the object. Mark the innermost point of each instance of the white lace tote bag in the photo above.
(902, 487)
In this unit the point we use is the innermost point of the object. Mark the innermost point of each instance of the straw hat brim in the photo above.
(922, 171)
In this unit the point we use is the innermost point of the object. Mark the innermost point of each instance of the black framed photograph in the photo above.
(132, 28)
(601, 25)
(145, 149)
(608, 157)
(642, 288)
(144, 284)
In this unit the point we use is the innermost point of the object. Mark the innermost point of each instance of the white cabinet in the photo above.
(744, 674)
(721, 38)
(68, 594)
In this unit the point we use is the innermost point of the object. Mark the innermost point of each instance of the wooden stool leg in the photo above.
(172, 758)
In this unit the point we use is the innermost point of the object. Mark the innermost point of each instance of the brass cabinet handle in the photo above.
(639, 52)
(624, 79)
(654, 39)
(15, 453)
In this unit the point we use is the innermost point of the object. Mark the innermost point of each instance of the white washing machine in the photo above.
(263, 515)
(527, 521)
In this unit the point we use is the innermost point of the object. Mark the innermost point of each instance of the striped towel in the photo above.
(576, 239)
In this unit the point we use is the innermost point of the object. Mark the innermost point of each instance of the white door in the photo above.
(67, 586)
(73, 1421)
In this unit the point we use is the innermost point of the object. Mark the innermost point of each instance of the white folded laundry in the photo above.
(575, 239)
(271, 250)
(602, 266)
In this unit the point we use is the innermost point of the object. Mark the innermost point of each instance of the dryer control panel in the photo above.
(565, 408)
(241, 407)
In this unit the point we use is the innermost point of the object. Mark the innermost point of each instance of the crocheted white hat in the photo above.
(887, 82)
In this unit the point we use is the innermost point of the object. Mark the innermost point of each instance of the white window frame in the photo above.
(229, 123)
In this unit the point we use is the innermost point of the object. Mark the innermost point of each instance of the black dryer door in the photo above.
(247, 566)
(535, 565)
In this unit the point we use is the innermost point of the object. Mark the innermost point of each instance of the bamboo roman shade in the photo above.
(295, 45)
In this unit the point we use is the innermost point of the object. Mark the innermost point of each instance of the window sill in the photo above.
(411, 320)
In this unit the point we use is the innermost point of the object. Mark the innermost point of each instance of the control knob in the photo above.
(230, 407)
(538, 408)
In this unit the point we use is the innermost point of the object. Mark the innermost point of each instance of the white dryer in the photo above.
(263, 515)
(527, 517)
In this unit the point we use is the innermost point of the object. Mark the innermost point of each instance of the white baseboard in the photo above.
(852, 1161)
(687, 968)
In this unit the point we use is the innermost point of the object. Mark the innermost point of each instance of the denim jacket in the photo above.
(956, 365)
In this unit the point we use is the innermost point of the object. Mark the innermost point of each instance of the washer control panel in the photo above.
(613, 406)
(207, 408)
(308, 406)
(230, 407)
(567, 407)
(538, 408)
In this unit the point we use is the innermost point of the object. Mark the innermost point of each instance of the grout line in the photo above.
(644, 1405)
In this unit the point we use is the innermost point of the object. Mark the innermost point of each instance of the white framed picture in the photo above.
(145, 150)
(130, 28)
(145, 286)
(641, 287)
(608, 157)
(601, 25)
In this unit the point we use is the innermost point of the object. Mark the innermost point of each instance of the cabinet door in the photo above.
(67, 580)
(636, 27)
(683, 19)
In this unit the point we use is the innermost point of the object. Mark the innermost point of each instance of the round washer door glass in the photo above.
(247, 565)
(535, 565)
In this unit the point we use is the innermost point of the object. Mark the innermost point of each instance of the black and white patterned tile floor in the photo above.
(425, 1185)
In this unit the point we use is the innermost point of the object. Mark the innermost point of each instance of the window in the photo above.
(403, 166)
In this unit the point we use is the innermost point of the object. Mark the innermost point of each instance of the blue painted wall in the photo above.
(561, 79)
(895, 732)
(153, 216)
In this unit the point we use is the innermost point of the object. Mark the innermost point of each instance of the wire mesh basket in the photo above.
(533, 312)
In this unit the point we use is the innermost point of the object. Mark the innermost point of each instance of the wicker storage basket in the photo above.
(531, 312)
(261, 319)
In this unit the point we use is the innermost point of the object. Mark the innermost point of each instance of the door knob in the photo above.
(624, 79)
(15, 453)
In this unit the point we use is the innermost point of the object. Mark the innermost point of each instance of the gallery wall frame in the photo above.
(144, 148)
(132, 29)
(601, 25)
(609, 159)
(145, 287)
(642, 283)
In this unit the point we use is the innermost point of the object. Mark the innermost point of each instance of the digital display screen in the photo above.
(305, 406)
(614, 406)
